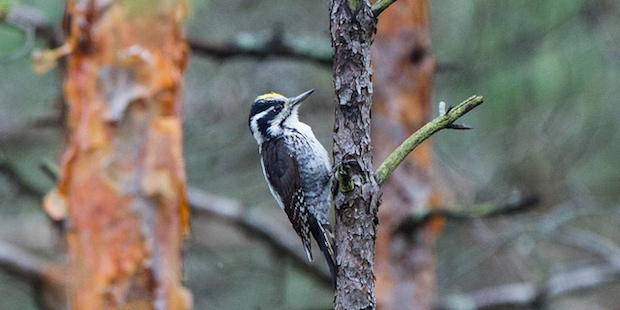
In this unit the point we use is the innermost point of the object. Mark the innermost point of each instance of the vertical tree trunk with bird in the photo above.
(356, 194)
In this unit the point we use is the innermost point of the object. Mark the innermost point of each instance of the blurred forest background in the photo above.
(550, 74)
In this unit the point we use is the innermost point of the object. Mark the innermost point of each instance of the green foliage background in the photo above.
(550, 74)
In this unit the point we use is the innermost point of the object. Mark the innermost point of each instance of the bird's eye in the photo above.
(277, 107)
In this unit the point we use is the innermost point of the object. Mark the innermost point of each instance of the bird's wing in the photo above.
(282, 173)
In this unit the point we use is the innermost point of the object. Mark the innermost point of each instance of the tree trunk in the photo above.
(356, 194)
(122, 181)
(403, 73)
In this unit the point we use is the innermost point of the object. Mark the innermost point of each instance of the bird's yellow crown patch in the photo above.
(269, 96)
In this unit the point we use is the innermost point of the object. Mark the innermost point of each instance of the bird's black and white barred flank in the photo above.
(297, 169)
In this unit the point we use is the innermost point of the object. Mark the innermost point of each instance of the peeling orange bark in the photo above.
(122, 180)
(403, 82)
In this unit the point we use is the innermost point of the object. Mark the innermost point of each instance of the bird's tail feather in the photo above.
(323, 235)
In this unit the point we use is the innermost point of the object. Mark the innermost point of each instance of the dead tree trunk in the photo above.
(122, 181)
(403, 74)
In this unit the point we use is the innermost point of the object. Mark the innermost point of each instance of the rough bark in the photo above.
(356, 196)
(403, 72)
(122, 179)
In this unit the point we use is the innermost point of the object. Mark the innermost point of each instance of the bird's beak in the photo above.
(297, 100)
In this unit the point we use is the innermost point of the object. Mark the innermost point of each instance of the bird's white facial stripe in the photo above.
(275, 129)
(272, 122)
(275, 126)
(254, 125)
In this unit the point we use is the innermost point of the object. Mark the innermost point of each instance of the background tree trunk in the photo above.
(122, 181)
(403, 77)
(355, 200)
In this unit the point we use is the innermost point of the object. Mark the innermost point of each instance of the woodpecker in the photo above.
(297, 169)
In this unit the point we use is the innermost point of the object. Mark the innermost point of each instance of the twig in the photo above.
(20, 263)
(232, 211)
(550, 223)
(50, 169)
(47, 279)
(29, 36)
(380, 6)
(529, 294)
(13, 176)
(33, 22)
(302, 49)
(591, 242)
(483, 210)
(443, 121)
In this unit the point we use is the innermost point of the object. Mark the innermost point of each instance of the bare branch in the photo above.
(13, 176)
(552, 222)
(443, 121)
(50, 169)
(591, 242)
(483, 210)
(33, 22)
(528, 294)
(307, 49)
(48, 280)
(29, 36)
(20, 263)
(233, 211)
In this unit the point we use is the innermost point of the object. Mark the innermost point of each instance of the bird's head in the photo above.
(271, 113)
